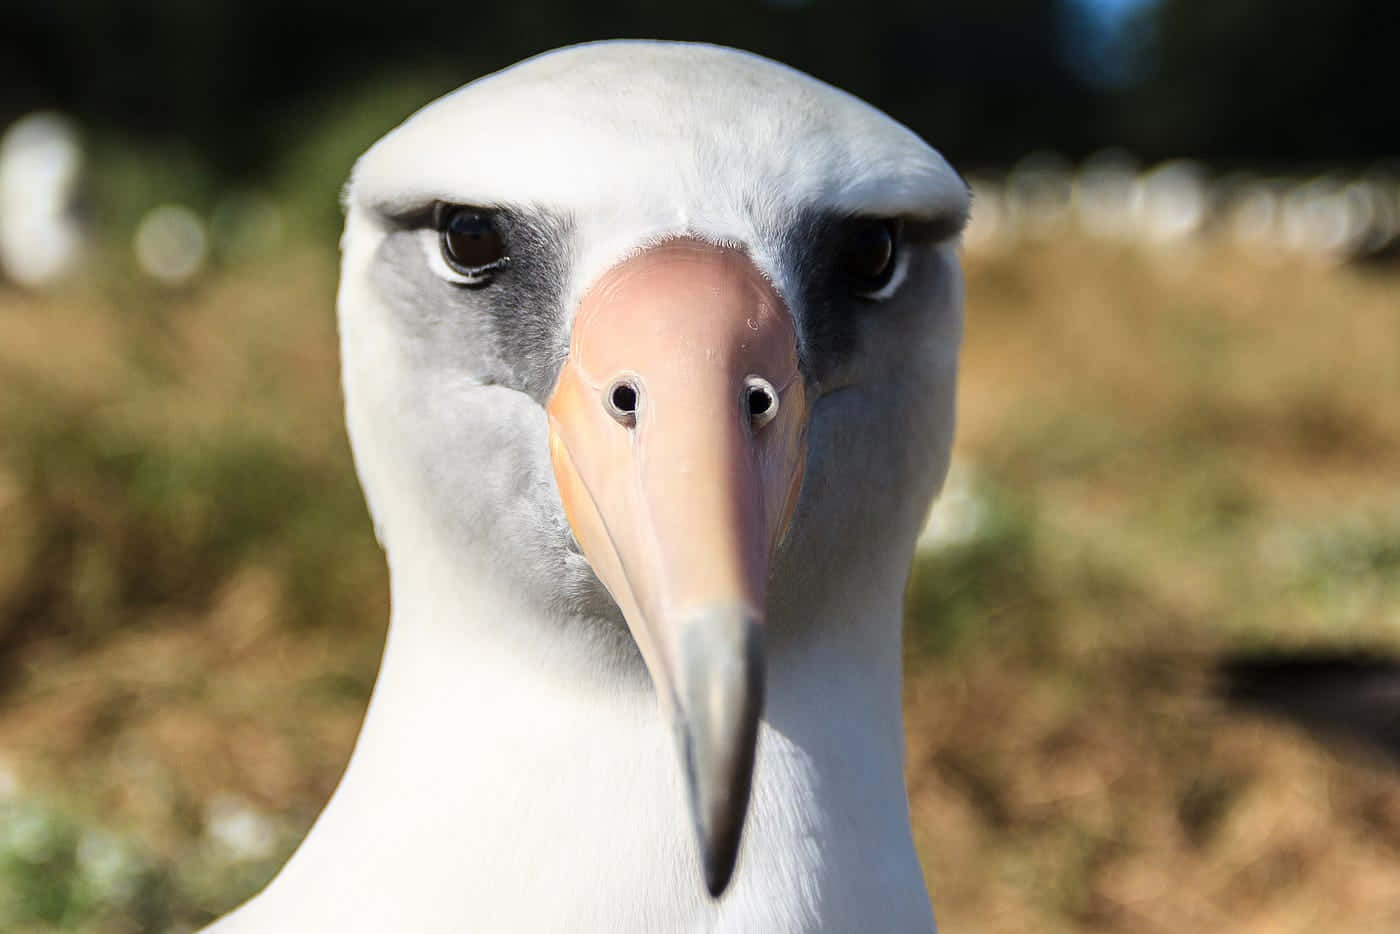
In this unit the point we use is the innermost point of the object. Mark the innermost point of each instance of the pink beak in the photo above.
(678, 435)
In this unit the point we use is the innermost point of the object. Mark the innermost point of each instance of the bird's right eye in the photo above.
(472, 243)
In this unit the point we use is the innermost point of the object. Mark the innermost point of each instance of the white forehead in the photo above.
(637, 140)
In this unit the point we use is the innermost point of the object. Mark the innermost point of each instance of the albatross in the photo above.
(649, 354)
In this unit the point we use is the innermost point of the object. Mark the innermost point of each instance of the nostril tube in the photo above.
(760, 400)
(621, 401)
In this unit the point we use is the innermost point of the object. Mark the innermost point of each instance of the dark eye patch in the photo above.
(510, 333)
(840, 260)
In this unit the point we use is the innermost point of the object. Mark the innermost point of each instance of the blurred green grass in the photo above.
(1162, 458)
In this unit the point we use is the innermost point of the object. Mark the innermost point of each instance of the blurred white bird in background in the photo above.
(42, 237)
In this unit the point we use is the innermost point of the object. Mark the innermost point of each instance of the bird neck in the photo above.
(500, 764)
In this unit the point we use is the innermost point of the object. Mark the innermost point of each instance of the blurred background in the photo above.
(1151, 624)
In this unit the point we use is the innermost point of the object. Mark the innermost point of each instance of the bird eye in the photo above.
(869, 256)
(471, 243)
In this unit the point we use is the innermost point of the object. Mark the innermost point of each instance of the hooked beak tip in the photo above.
(718, 871)
(720, 703)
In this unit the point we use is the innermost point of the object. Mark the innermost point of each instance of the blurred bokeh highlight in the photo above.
(1151, 624)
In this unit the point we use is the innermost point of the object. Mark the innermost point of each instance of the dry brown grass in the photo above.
(1183, 455)
(1188, 428)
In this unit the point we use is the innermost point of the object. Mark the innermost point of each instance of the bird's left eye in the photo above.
(869, 256)
(472, 244)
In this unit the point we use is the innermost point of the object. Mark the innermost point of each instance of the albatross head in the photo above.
(660, 339)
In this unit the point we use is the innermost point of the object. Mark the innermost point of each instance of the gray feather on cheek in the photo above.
(508, 332)
(479, 364)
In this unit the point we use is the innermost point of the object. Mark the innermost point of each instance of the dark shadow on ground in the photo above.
(1352, 698)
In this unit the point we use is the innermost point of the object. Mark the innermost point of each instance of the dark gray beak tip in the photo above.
(718, 734)
(719, 869)
(719, 827)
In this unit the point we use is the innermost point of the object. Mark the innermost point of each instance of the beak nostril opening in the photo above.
(759, 402)
(761, 399)
(622, 401)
